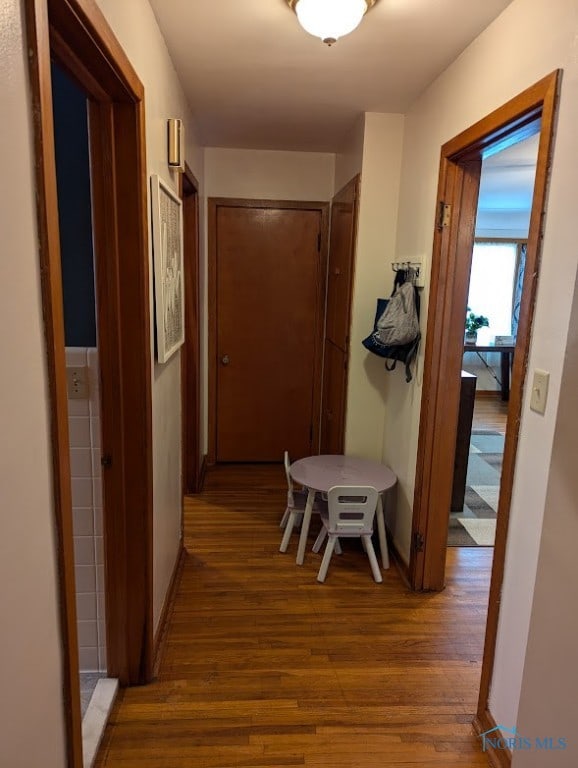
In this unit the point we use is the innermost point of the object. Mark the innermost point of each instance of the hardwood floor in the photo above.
(490, 413)
(263, 666)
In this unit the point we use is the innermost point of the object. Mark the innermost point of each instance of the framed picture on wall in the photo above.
(167, 230)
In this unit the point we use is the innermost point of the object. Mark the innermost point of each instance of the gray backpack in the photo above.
(399, 323)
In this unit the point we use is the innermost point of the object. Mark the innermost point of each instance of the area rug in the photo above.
(475, 525)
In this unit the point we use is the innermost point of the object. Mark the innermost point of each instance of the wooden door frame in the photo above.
(213, 204)
(460, 170)
(190, 353)
(76, 33)
(354, 183)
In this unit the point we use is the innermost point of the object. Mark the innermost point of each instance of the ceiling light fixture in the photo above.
(330, 19)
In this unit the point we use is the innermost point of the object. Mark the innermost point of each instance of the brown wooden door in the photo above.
(343, 235)
(269, 286)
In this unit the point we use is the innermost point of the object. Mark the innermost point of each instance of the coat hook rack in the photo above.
(414, 266)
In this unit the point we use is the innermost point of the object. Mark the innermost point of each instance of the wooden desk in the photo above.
(506, 351)
(465, 418)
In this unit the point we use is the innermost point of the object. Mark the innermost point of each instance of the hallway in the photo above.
(263, 666)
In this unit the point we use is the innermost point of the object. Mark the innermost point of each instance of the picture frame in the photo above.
(167, 233)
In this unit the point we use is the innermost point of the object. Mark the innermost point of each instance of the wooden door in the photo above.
(268, 281)
(343, 234)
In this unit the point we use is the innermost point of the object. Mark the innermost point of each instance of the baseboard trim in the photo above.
(202, 473)
(498, 758)
(400, 563)
(162, 630)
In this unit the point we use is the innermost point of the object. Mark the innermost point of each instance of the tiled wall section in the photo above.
(84, 430)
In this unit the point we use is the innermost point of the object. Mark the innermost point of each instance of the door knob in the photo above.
(225, 360)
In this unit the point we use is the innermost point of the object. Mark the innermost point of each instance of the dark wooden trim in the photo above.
(190, 352)
(203, 472)
(498, 758)
(120, 226)
(167, 611)
(213, 204)
(550, 88)
(38, 43)
(459, 176)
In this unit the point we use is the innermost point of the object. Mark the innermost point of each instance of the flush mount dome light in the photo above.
(330, 19)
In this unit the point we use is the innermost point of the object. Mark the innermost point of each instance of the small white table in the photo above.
(320, 473)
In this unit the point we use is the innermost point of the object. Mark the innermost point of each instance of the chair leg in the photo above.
(372, 559)
(326, 558)
(288, 531)
(320, 539)
(284, 518)
(338, 550)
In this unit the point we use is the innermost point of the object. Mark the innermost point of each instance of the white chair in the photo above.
(350, 514)
(296, 502)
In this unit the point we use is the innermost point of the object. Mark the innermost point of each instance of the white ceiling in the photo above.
(255, 79)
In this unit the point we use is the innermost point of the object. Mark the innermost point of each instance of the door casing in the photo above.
(76, 33)
(459, 177)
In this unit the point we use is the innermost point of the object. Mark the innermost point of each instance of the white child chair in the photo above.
(296, 502)
(350, 514)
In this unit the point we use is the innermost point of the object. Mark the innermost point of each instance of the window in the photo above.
(492, 287)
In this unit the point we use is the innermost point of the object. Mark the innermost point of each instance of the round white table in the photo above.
(320, 473)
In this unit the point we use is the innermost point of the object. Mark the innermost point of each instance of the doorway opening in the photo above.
(493, 308)
(458, 193)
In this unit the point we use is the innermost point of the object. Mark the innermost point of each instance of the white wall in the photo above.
(135, 26)
(548, 701)
(491, 71)
(373, 278)
(269, 175)
(349, 160)
(30, 663)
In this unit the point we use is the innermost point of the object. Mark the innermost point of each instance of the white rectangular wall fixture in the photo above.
(539, 397)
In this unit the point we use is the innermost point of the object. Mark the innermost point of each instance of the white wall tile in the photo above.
(100, 578)
(102, 658)
(85, 576)
(88, 659)
(82, 492)
(75, 356)
(79, 432)
(83, 521)
(97, 516)
(96, 465)
(97, 492)
(86, 608)
(78, 408)
(100, 609)
(95, 432)
(84, 550)
(81, 462)
(88, 634)
(99, 550)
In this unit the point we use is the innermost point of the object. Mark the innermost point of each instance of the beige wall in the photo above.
(30, 662)
(368, 379)
(135, 26)
(548, 700)
(491, 71)
(349, 160)
(252, 173)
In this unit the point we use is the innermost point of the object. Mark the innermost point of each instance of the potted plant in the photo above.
(473, 324)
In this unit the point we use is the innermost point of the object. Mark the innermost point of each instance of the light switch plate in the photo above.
(77, 382)
(539, 391)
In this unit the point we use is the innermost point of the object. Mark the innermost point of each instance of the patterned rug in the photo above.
(475, 525)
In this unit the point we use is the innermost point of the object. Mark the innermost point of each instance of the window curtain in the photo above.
(518, 285)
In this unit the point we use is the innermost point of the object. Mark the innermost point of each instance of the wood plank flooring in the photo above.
(490, 413)
(263, 666)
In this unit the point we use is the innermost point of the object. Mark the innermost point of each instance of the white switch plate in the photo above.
(539, 391)
(77, 382)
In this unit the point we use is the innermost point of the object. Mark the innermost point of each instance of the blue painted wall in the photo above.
(74, 210)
